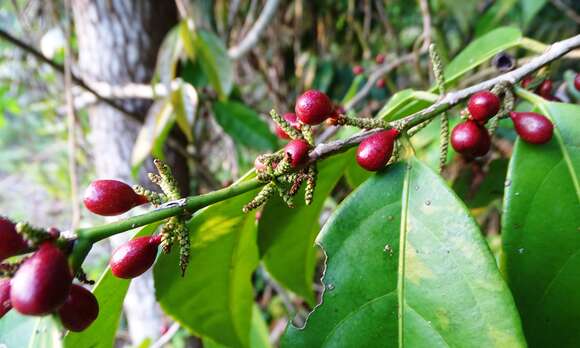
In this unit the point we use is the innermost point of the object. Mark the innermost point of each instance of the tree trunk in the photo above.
(118, 42)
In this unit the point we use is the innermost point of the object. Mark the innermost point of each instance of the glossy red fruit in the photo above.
(380, 83)
(483, 105)
(42, 282)
(111, 197)
(11, 243)
(313, 107)
(374, 152)
(79, 310)
(291, 118)
(470, 139)
(532, 127)
(380, 58)
(5, 304)
(544, 90)
(133, 258)
(297, 150)
(357, 70)
(577, 81)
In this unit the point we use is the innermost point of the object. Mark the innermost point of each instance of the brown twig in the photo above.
(450, 99)
(59, 68)
(568, 11)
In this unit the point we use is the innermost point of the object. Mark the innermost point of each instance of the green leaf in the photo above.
(442, 290)
(214, 298)
(541, 240)
(16, 330)
(168, 56)
(354, 87)
(158, 122)
(493, 16)
(529, 9)
(244, 125)
(286, 236)
(258, 333)
(406, 102)
(185, 101)
(110, 292)
(481, 50)
(214, 60)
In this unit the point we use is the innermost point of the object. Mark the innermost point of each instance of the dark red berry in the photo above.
(313, 107)
(482, 106)
(297, 151)
(527, 80)
(42, 282)
(291, 118)
(544, 90)
(374, 152)
(11, 243)
(470, 139)
(532, 127)
(577, 82)
(79, 310)
(5, 304)
(357, 70)
(133, 258)
(380, 83)
(111, 197)
(380, 58)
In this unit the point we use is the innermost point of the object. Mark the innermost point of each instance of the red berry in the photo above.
(380, 83)
(380, 58)
(133, 258)
(482, 106)
(291, 118)
(313, 107)
(357, 70)
(11, 243)
(532, 127)
(79, 310)
(544, 90)
(5, 304)
(374, 152)
(577, 81)
(527, 80)
(470, 139)
(42, 282)
(297, 150)
(111, 197)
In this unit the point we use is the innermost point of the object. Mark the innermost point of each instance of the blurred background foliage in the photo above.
(221, 105)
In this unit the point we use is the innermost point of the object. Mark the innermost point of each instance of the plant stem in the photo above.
(88, 236)
(191, 204)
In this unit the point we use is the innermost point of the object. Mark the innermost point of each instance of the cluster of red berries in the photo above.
(42, 284)
(472, 139)
(314, 107)
(113, 197)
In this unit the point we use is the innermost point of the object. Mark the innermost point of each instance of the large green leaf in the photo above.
(214, 298)
(16, 330)
(442, 290)
(541, 237)
(214, 60)
(244, 125)
(110, 292)
(481, 50)
(258, 333)
(286, 236)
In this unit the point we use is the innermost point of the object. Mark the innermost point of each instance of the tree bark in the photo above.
(118, 41)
